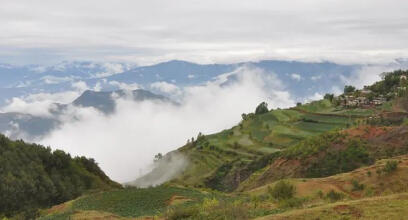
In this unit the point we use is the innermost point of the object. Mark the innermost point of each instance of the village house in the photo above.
(362, 100)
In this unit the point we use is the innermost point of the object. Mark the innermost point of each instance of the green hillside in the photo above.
(256, 138)
(343, 157)
(33, 177)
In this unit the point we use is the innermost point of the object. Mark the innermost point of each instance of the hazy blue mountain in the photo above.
(105, 101)
(177, 72)
(19, 125)
(301, 79)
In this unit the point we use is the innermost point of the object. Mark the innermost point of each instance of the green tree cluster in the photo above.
(262, 108)
(32, 177)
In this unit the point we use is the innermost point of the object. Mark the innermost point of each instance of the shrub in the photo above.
(261, 108)
(291, 203)
(282, 190)
(334, 196)
(357, 186)
(390, 166)
(320, 194)
(182, 213)
(369, 191)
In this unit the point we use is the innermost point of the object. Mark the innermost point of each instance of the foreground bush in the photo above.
(210, 209)
(391, 166)
(334, 196)
(282, 190)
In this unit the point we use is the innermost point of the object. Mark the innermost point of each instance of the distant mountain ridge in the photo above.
(300, 78)
(105, 100)
(19, 125)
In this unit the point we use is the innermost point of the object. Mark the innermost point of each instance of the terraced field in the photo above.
(264, 134)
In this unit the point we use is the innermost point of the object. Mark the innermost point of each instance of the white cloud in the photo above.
(148, 31)
(56, 80)
(165, 87)
(124, 86)
(80, 86)
(368, 75)
(110, 69)
(316, 96)
(125, 143)
(296, 76)
(315, 78)
(39, 104)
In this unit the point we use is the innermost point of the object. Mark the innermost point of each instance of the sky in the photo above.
(145, 32)
(151, 31)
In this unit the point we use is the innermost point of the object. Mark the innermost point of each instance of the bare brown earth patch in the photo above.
(175, 200)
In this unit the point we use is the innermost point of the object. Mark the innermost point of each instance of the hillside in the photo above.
(34, 177)
(343, 157)
(223, 160)
(364, 193)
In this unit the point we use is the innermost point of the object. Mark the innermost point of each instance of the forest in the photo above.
(33, 177)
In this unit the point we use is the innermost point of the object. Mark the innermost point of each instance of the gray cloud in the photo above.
(204, 31)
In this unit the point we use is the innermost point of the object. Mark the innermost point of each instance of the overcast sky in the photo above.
(204, 31)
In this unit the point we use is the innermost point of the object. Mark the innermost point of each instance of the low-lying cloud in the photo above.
(125, 142)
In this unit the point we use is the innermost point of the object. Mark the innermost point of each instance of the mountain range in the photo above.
(19, 125)
(299, 78)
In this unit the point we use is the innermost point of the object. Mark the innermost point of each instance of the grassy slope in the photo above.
(383, 197)
(259, 136)
(129, 202)
(374, 184)
(384, 207)
(262, 135)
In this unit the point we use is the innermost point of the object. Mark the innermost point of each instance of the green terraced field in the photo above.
(263, 134)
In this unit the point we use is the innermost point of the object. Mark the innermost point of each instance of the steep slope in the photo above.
(373, 192)
(223, 160)
(392, 207)
(33, 177)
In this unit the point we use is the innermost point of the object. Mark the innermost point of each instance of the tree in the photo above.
(282, 190)
(261, 108)
(349, 89)
(329, 97)
(158, 157)
(34, 177)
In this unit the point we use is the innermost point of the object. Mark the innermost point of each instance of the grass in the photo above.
(387, 207)
(261, 135)
(131, 202)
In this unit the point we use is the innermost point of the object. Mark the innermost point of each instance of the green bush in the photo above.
(282, 190)
(334, 196)
(291, 203)
(211, 209)
(334, 162)
(261, 108)
(182, 213)
(357, 186)
(390, 166)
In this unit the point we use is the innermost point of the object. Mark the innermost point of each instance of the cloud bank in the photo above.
(125, 143)
(150, 31)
